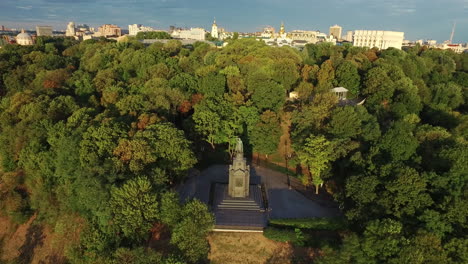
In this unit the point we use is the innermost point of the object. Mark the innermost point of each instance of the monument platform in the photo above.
(239, 213)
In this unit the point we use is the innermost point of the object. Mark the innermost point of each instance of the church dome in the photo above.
(24, 38)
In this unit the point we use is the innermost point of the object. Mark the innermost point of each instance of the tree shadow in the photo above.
(437, 117)
(34, 238)
(53, 259)
(295, 254)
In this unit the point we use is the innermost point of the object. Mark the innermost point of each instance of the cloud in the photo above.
(24, 7)
(70, 1)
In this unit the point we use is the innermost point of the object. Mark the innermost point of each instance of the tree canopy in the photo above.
(103, 131)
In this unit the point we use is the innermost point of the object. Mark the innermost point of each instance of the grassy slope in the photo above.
(31, 242)
(253, 248)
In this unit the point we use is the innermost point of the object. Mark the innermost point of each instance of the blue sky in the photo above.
(419, 19)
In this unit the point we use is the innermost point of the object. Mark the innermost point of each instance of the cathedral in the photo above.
(282, 32)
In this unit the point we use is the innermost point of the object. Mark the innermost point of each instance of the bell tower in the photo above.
(282, 29)
(214, 29)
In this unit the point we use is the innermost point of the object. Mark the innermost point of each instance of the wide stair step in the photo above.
(239, 205)
(240, 218)
(254, 202)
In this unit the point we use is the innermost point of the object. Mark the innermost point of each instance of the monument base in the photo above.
(239, 213)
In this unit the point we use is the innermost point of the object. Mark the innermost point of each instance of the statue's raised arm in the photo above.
(239, 147)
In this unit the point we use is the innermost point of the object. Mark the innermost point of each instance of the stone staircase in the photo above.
(238, 213)
(248, 205)
(232, 219)
(254, 202)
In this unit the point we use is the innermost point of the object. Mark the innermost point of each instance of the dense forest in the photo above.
(95, 135)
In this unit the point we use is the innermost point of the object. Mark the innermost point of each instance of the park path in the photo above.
(286, 203)
(283, 202)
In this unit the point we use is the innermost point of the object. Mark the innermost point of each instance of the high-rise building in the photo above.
(214, 29)
(70, 30)
(43, 31)
(335, 31)
(378, 38)
(110, 30)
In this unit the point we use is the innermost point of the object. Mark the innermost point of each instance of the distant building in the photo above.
(431, 42)
(457, 48)
(378, 38)
(71, 31)
(322, 37)
(335, 31)
(24, 39)
(193, 33)
(110, 30)
(268, 32)
(214, 30)
(43, 31)
(222, 34)
(83, 27)
(87, 37)
(305, 35)
(349, 36)
(135, 28)
(282, 32)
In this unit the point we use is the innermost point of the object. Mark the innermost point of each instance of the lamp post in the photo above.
(288, 156)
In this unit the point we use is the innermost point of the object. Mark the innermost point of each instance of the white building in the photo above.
(457, 48)
(193, 33)
(322, 37)
(306, 35)
(431, 42)
(214, 30)
(378, 38)
(24, 39)
(268, 32)
(349, 36)
(135, 28)
(43, 31)
(335, 31)
(70, 30)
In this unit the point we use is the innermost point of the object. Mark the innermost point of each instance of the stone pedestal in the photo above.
(239, 177)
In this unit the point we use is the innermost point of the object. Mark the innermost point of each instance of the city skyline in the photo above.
(432, 19)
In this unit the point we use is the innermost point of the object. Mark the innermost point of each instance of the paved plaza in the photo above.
(282, 202)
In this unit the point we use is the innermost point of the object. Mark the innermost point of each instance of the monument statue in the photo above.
(239, 174)
(239, 147)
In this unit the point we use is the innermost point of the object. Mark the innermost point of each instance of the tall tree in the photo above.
(135, 208)
(266, 133)
(316, 154)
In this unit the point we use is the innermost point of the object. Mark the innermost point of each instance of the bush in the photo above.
(280, 235)
(311, 223)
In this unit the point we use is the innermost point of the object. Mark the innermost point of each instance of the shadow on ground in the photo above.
(34, 238)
